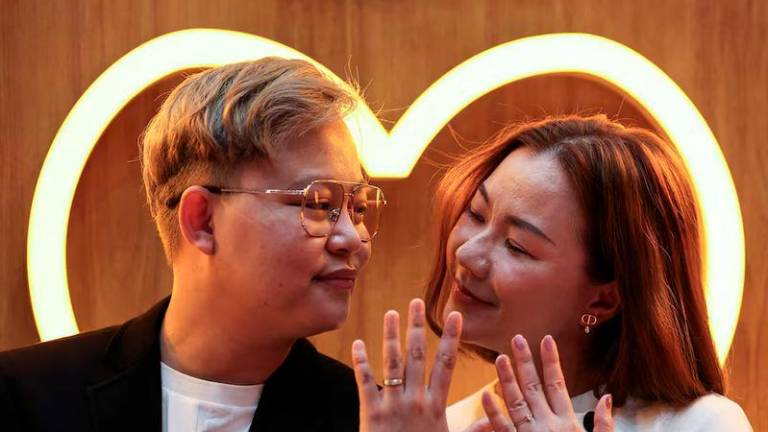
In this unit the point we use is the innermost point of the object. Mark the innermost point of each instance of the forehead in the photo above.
(534, 186)
(328, 152)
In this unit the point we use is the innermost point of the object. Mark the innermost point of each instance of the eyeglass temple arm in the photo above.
(218, 190)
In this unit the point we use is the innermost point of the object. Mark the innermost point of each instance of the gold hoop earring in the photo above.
(588, 321)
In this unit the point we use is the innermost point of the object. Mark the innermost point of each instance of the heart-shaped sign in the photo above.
(392, 154)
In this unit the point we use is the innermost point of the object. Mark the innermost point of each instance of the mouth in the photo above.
(466, 296)
(342, 279)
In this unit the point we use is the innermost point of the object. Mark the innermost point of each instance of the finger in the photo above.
(445, 359)
(416, 347)
(528, 378)
(499, 423)
(603, 415)
(482, 425)
(517, 407)
(366, 382)
(393, 365)
(554, 382)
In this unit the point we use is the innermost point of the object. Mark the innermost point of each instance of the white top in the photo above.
(707, 413)
(194, 405)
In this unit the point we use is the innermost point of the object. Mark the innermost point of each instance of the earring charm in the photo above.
(588, 320)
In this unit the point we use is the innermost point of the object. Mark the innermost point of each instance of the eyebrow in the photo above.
(516, 220)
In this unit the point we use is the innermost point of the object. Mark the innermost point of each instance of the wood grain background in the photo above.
(50, 51)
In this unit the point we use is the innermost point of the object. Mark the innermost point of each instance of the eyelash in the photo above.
(475, 216)
(516, 249)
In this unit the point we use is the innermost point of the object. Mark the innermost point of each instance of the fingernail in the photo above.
(519, 342)
(549, 343)
(609, 402)
(452, 324)
(392, 318)
(507, 361)
(417, 304)
(358, 351)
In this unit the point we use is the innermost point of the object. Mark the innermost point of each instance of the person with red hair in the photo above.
(570, 229)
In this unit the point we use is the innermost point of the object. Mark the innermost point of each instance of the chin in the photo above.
(476, 329)
(337, 319)
(329, 318)
(473, 332)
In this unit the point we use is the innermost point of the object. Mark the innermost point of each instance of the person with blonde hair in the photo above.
(570, 229)
(266, 218)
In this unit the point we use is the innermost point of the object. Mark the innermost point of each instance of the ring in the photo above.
(527, 419)
(393, 382)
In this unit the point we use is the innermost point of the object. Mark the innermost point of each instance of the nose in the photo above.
(344, 237)
(473, 256)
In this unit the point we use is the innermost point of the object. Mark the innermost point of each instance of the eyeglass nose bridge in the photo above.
(334, 215)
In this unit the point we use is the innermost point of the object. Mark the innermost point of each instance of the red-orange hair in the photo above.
(642, 230)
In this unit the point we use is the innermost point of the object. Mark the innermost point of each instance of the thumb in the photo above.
(603, 415)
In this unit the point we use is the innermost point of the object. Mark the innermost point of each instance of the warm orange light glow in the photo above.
(394, 154)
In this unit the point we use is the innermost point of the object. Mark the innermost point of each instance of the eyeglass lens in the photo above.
(323, 206)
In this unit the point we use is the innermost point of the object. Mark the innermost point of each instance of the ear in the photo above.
(603, 301)
(196, 219)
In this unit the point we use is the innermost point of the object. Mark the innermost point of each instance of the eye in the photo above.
(360, 208)
(513, 248)
(319, 204)
(475, 216)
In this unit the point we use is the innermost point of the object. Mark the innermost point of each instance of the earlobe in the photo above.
(196, 219)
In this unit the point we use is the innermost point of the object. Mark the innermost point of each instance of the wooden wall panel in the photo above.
(51, 51)
(115, 260)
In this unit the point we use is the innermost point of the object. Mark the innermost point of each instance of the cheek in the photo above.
(458, 236)
(516, 281)
(271, 239)
(364, 254)
(300, 250)
(450, 247)
(520, 282)
(532, 289)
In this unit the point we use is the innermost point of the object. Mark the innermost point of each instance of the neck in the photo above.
(205, 341)
(579, 374)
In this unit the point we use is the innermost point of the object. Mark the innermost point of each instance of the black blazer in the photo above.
(109, 380)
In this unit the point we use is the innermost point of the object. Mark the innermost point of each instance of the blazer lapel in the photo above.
(126, 395)
(290, 400)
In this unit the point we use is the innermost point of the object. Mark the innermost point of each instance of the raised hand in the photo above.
(532, 405)
(405, 403)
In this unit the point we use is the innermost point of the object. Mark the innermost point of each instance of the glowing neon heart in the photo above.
(393, 154)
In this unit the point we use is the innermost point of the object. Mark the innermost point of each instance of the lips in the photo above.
(467, 295)
(341, 279)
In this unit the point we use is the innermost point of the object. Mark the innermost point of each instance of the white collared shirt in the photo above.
(194, 405)
(712, 412)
